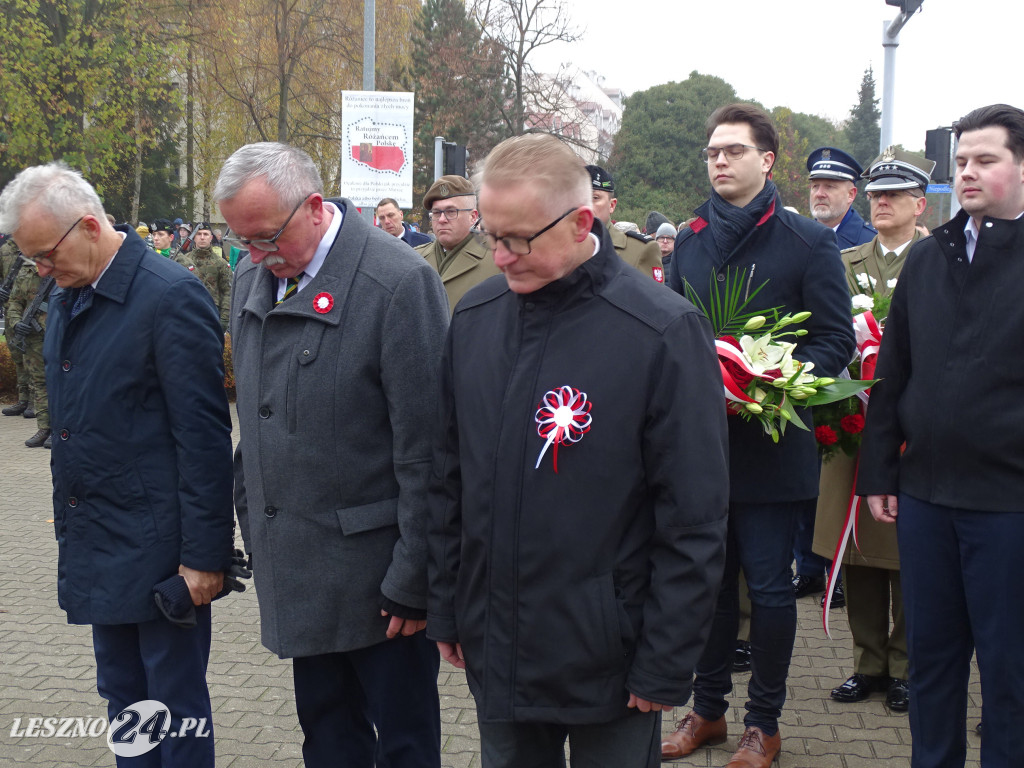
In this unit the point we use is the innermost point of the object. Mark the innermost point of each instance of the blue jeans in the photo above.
(760, 539)
(960, 570)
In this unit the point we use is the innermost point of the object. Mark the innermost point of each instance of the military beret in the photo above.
(832, 163)
(898, 169)
(601, 179)
(445, 187)
(163, 225)
(204, 225)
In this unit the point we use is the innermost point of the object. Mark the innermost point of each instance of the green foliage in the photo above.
(656, 158)
(863, 132)
(790, 170)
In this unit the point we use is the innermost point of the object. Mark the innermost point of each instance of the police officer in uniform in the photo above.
(634, 248)
(896, 185)
(213, 271)
(833, 176)
(456, 254)
(25, 288)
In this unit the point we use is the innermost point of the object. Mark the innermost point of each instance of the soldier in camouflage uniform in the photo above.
(25, 288)
(163, 236)
(8, 257)
(213, 271)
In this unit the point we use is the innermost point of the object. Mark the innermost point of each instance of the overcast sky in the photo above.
(810, 55)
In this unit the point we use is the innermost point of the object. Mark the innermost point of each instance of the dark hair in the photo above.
(1002, 115)
(760, 123)
(387, 201)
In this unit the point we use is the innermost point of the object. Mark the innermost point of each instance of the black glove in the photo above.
(5, 294)
(236, 571)
(21, 328)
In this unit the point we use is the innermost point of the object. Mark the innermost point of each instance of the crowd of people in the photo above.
(507, 447)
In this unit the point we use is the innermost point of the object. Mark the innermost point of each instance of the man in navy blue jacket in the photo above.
(744, 230)
(141, 458)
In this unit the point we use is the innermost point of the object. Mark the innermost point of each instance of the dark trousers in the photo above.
(760, 539)
(373, 707)
(961, 585)
(807, 562)
(633, 741)
(872, 594)
(157, 660)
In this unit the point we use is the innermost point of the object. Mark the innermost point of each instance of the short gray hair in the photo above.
(56, 187)
(288, 170)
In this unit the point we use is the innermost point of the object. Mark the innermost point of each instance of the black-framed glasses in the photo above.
(269, 246)
(449, 213)
(520, 246)
(732, 152)
(46, 260)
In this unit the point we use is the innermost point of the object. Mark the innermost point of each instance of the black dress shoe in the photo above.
(838, 597)
(858, 688)
(37, 440)
(15, 410)
(807, 585)
(897, 698)
(741, 659)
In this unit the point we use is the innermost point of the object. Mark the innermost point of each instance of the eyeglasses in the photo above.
(46, 260)
(890, 193)
(665, 239)
(732, 152)
(451, 214)
(517, 245)
(268, 246)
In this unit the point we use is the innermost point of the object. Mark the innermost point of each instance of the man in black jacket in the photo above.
(579, 488)
(743, 233)
(942, 455)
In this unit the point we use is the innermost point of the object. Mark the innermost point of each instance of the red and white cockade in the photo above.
(563, 417)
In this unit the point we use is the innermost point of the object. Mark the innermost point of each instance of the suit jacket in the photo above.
(336, 393)
(414, 238)
(141, 436)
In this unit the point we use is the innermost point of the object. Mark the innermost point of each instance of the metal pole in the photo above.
(369, 44)
(890, 41)
(438, 157)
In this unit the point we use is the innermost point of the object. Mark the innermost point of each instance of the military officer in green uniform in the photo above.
(634, 248)
(213, 271)
(896, 187)
(25, 288)
(163, 237)
(455, 253)
(8, 258)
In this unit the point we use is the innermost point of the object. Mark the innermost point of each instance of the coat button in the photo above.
(529, 306)
(72, 501)
(305, 352)
(66, 365)
(264, 412)
(988, 224)
(270, 511)
(64, 434)
(721, 277)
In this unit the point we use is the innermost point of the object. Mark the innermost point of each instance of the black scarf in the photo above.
(730, 224)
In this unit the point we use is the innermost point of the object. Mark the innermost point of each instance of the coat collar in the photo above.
(333, 282)
(118, 278)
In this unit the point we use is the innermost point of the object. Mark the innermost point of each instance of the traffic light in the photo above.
(907, 6)
(937, 147)
(455, 159)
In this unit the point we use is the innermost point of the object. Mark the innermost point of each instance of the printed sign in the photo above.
(376, 147)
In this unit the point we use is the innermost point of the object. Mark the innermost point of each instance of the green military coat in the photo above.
(469, 264)
(215, 274)
(639, 252)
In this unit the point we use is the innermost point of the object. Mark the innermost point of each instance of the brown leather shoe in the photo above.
(756, 750)
(693, 732)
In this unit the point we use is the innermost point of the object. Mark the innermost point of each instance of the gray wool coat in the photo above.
(335, 412)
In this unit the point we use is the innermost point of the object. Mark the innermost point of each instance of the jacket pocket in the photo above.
(303, 385)
(135, 501)
(368, 517)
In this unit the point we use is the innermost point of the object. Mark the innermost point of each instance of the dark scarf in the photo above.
(730, 224)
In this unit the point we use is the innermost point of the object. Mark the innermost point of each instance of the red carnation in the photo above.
(853, 423)
(825, 435)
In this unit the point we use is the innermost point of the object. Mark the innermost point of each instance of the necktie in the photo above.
(890, 257)
(290, 288)
(84, 295)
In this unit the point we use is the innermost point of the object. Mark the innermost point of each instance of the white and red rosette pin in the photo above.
(562, 418)
(323, 303)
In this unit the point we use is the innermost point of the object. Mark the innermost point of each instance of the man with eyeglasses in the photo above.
(579, 486)
(897, 181)
(456, 254)
(336, 331)
(141, 457)
(636, 249)
(742, 239)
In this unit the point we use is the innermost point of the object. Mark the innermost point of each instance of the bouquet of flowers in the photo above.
(761, 378)
(838, 426)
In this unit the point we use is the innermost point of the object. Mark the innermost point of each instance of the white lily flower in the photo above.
(862, 302)
(761, 353)
(863, 281)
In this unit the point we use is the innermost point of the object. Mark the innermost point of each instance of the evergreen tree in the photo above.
(863, 132)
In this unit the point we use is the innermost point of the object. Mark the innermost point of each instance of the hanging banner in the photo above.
(376, 147)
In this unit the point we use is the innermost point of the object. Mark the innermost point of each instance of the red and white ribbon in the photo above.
(563, 417)
(730, 352)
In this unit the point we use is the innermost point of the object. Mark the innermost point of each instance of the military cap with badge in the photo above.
(896, 169)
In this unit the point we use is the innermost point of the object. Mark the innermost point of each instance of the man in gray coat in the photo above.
(337, 330)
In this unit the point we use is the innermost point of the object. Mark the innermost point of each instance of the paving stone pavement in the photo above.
(47, 668)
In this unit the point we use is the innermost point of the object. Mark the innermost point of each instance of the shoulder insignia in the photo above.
(639, 236)
(658, 274)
